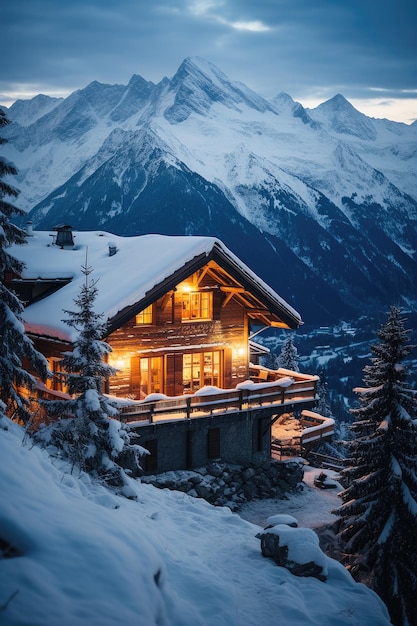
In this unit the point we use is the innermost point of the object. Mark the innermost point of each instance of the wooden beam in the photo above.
(228, 298)
(229, 289)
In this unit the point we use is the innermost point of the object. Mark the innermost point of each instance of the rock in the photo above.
(219, 483)
(195, 480)
(203, 491)
(248, 473)
(296, 549)
(215, 470)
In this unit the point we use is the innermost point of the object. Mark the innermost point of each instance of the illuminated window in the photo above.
(201, 368)
(145, 316)
(58, 381)
(197, 305)
(150, 372)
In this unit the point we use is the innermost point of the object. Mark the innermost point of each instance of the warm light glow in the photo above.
(239, 351)
(184, 288)
(120, 362)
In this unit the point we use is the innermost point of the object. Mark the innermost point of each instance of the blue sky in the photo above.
(312, 49)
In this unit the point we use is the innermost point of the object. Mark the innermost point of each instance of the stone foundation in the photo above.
(223, 484)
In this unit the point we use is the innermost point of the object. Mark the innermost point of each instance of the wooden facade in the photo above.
(195, 335)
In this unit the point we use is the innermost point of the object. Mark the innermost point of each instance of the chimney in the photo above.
(112, 248)
(64, 237)
(29, 229)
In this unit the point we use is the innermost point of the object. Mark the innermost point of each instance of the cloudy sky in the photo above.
(312, 49)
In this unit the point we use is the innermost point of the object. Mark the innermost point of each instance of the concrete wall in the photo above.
(183, 444)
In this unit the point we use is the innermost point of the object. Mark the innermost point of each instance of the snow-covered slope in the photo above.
(332, 191)
(78, 555)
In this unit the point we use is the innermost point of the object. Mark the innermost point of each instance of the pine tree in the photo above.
(87, 431)
(288, 357)
(15, 346)
(323, 405)
(378, 526)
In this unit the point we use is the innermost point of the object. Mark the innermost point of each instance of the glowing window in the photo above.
(145, 316)
(58, 380)
(197, 305)
(201, 368)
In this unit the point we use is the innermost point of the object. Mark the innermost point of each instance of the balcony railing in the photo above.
(287, 388)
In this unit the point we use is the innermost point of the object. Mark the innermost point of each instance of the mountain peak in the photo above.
(198, 84)
(283, 102)
(339, 100)
(26, 112)
(197, 65)
(340, 116)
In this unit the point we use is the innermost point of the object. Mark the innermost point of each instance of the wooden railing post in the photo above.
(151, 410)
(188, 407)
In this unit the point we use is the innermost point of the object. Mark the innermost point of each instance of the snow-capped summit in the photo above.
(284, 103)
(340, 116)
(26, 112)
(198, 84)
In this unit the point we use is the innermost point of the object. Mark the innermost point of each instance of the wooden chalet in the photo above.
(179, 313)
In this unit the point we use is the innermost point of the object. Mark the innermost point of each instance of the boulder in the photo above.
(296, 549)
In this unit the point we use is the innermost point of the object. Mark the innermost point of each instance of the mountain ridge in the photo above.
(333, 188)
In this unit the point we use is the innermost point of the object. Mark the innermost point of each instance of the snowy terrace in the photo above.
(286, 388)
(296, 437)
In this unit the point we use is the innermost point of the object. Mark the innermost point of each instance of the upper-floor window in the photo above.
(197, 305)
(145, 316)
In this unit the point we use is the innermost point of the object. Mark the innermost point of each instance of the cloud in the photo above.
(302, 47)
(254, 27)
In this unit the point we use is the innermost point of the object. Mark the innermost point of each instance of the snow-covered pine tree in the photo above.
(15, 345)
(378, 526)
(87, 431)
(323, 405)
(288, 357)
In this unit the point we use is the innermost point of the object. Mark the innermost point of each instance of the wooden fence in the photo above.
(247, 396)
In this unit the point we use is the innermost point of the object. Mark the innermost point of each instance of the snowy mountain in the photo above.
(321, 203)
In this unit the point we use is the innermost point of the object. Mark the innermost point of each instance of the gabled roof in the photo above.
(143, 269)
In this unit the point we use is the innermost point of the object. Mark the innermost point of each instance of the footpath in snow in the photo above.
(309, 505)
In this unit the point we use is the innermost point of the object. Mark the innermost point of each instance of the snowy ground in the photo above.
(82, 556)
(309, 505)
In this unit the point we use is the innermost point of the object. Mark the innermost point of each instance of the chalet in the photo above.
(179, 314)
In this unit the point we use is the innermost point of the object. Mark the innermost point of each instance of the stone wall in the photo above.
(183, 444)
(229, 485)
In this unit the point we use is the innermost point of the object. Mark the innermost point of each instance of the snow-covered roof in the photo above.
(132, 275)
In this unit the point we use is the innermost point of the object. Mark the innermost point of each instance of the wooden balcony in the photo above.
(279, 389)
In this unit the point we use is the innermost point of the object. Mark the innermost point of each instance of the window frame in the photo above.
(200, 369)
(146, 316)
(204, 306)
